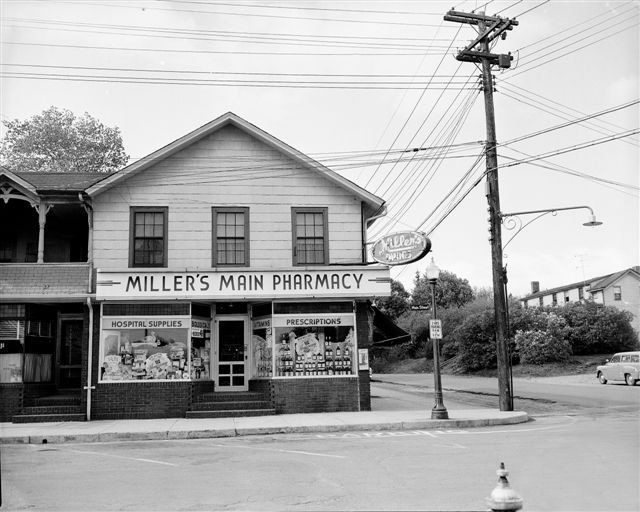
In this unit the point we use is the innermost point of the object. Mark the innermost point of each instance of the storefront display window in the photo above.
(313, 345)
(200, 348)
(262, 341)
(153, 348)
(11, 350)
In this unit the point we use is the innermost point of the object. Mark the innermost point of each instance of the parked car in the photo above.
(623, 366)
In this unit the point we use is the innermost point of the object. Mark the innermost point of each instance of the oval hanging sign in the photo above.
(401, 248)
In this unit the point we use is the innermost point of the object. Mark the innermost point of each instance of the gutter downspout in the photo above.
(89, 387)
(86, 204)
(383, 213)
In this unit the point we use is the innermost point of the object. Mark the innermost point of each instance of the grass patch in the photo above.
(577, 365)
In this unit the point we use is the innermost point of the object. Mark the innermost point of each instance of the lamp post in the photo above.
(513, 221)
(439, 411)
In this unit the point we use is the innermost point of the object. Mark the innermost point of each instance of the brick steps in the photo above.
(226, 406)
(230, 404)
(55, 408)
(52, 409)
(230, 413)
(230, 396)
(41, 418)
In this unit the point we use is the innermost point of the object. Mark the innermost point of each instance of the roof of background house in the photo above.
(61, 181)
(595, 283)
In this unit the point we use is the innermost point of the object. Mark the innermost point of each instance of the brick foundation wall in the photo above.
(365, 390)
(10, 400)
(141, 400)
(315, 395)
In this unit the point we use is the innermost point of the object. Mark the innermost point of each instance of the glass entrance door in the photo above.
(69, 353)
(231, 354)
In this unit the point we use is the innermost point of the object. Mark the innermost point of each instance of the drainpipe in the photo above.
(88, 208)
(383, 213)
(89, 387)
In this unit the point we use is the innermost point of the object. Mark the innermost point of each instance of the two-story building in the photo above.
(225, 273)
(620, 289)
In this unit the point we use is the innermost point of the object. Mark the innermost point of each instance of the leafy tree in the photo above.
(58, 141)
(451, 291)
(396, 304)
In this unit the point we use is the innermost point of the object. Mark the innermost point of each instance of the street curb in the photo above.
(513, 418)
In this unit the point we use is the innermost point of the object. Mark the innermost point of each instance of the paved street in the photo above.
(575, 461)
(548, 395)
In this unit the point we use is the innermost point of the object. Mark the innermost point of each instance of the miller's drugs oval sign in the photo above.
(401, 248)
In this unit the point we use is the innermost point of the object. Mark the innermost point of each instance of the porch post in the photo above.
(43, 208)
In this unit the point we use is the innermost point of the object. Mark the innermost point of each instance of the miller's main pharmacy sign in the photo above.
(351, 282)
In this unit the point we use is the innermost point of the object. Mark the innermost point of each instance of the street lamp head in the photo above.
(432, 271)
(592, 221)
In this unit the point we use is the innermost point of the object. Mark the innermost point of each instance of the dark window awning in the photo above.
(385, 331)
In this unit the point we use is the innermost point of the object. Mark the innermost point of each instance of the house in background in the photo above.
(620, 290)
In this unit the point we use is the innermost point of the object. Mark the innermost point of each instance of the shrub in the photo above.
(597, 329)
(475, 342)
(539, 347)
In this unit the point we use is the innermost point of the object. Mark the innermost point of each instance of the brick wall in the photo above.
(315, 395)
(139, 400)
(10, 400)
(365, 390)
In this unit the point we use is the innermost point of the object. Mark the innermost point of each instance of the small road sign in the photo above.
(435, 328)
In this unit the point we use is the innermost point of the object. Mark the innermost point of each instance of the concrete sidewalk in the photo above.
(181, 428)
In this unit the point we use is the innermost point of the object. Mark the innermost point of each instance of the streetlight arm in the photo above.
(546, 210)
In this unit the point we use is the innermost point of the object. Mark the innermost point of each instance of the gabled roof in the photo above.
(613, 278)
(23, 185)
(60, 181)
(595, 283)
(232, 119)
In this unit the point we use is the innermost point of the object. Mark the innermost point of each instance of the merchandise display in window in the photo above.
(200, 348)
(315, 350)
(262, 341)
(143, 349)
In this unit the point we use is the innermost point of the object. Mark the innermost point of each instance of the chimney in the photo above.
(535, 286)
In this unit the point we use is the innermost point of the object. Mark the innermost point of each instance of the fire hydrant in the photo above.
(503, 497)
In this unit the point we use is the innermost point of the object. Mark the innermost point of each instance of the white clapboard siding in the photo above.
(227, 168)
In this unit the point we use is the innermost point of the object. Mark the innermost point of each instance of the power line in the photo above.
(371, 85)
(224, 52)
(241, 73)
(300, 8)
(575, 147)
(532, 8)
(590, 125)
(570, 123)
(415, 105)
(271, 16)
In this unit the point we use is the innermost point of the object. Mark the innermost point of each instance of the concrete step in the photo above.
(229, 396)
(41, 418)
(56, 400)
(52, 409)
(230, 413)
(226, 406)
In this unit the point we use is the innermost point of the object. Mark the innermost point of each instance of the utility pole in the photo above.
(490, 27)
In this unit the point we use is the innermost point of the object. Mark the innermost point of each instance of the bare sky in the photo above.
(355, 85)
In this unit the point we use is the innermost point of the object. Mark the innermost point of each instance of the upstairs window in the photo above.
(148, 245)
(554, 299)
(617, 293)
(310, 241)
(580, 293)
(231, 237)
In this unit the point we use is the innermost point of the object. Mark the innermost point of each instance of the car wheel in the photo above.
(601, 378)
(629, 380)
